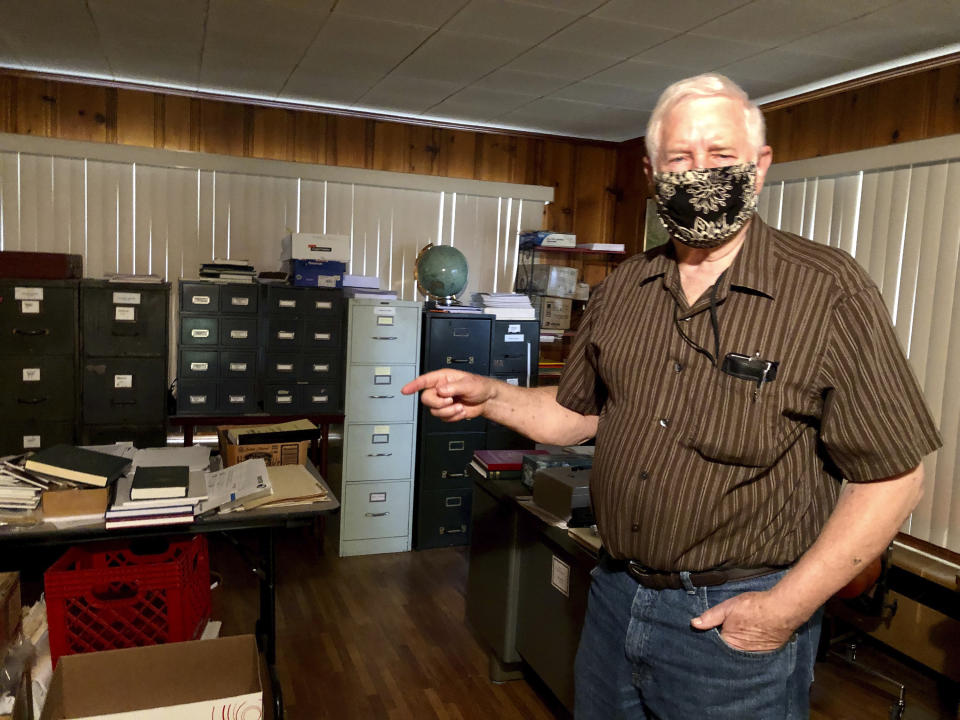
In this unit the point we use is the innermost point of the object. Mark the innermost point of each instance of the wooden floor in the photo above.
(384, 636)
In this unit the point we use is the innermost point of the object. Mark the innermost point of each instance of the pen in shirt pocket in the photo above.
(752, 368)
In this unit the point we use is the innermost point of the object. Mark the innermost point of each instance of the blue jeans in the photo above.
(639, 658)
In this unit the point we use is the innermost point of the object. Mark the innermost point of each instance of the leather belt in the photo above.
(657, 580)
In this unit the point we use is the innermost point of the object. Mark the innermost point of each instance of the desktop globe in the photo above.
(440, 272)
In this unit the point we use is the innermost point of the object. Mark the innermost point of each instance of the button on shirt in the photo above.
(698, 469)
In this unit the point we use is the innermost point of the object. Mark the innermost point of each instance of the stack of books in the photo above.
(228, 271)
(508, 306)
(19, 490)
(77, 465)
(159, 495)
(501, 464)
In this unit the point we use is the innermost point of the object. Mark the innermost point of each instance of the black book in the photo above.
(79, 465)
(153, 483)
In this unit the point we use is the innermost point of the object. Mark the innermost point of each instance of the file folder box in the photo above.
(127, 594)
(195, 680)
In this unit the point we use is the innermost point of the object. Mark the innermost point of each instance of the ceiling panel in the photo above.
(790, 69)
(615, 38)
(615, 95)
(581, 7)
(575, 118)
(560, 62)
(521, 82)
(510, 20)
(774, 22)
(640, 74)
(405, 94)
(456, 57)
(431, 13)
(152, 39)
(322, 87)
(481, 104)
(7, 57)
(699, 53)
(676, 15)
(54, 35)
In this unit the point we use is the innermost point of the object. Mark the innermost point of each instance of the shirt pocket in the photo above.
(738, 425)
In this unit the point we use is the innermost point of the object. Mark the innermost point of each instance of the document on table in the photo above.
(227, 489)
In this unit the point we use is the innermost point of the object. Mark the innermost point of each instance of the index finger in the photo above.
(427, 380)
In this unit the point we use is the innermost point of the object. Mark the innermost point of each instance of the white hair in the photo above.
(707, 85)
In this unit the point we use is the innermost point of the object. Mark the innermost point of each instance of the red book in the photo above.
(503, 459)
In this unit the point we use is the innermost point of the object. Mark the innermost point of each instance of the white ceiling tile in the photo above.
(642, 75)
(559, 62)
(8, 58)
(482, 103)
(581, 7)
(525, 83)
(676, 15)
(319, 87)
(579, 119)
(431, 13)
(407, 94)
(699, 53)
(54, 35)
(615, 38)
(790, 69)
(616, 95)
(454, 57)
(773, 22)
(509, 20)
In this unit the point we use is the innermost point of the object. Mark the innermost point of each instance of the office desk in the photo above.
(267, 520)
(188, 423)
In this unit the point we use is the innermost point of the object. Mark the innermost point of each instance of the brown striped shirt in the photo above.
(694, 468)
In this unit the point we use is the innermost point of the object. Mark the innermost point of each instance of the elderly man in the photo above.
(733, 378)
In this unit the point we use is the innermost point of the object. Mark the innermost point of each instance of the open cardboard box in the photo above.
(195, 680)
(272, 453)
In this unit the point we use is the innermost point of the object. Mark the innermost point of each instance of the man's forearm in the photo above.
(534, 412)
(864, 522)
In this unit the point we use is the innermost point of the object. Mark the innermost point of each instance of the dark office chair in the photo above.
(864, 601)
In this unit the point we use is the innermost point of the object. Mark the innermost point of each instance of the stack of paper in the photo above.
(508, 306)
(19, 490)
(292, 485)
(230, 488)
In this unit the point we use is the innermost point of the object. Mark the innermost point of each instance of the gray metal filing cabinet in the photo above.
(443, 491)
(380, 426)
(124, 368)
(301, 353)
(39, 363)
(514, 358)
(219, 339)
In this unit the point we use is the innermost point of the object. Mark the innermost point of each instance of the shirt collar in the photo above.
(753, 268)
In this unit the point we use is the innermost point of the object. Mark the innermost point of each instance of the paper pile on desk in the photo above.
(230, 488)
(292, 485)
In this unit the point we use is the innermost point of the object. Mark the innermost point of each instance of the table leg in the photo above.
(324, 448)
(187, 434)
(267, 623)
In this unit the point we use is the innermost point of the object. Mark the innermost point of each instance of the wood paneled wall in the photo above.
(916, 106)
(582, 173)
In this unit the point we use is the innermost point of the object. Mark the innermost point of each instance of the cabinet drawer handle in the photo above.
(383, 514)
(31, 401)
(381, 397)
(453, 531)
(383, 337)
(445, 474)
(458, 361)
(31, 333)
(379, 454)
(130, 401)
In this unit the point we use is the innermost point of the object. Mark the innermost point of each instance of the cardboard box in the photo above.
(273, 453)
(195, 680)
(547, 238)
(313, 273)
(555, 313)
(315, 246)
(9, 608)
(555, 280)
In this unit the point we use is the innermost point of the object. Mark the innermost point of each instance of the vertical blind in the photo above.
(168, 217)
(902, 224)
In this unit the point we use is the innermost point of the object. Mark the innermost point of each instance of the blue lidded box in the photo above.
(317, 273)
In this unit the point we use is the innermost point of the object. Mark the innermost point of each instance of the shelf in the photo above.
(578, 251)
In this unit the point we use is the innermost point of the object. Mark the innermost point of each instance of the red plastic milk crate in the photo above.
(119, 595)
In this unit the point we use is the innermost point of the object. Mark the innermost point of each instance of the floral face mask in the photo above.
(704, 208)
